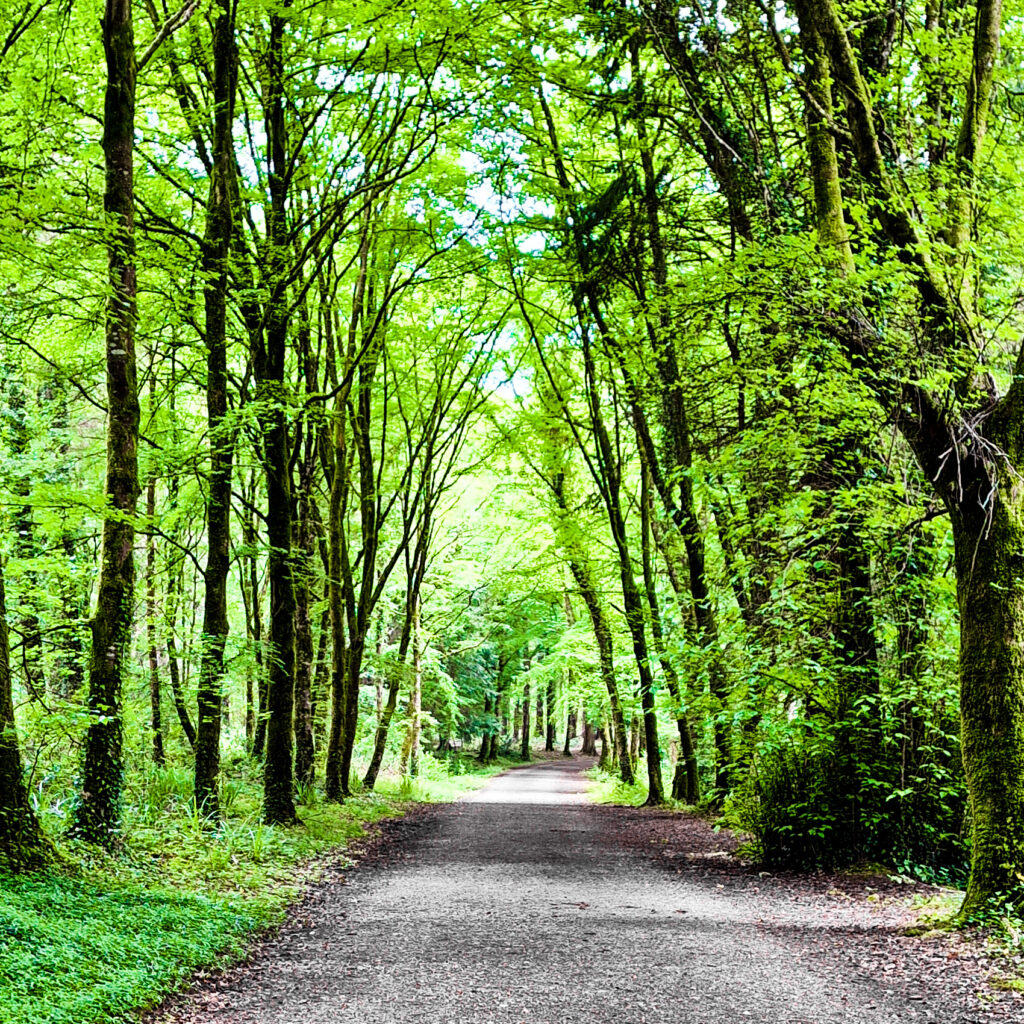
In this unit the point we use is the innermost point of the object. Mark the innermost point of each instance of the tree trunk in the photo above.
(321, 682)
(255, 626)
(686, 781)
(23, 846)
(485, 740)
(990, 595)
(524, 746)
(589, 747)
(96, 816)
(411, 749)
(303, 725)
(549, 736)
(216, 247)
(278, 798)
(180, 707)
(155, 724)
(384, 725)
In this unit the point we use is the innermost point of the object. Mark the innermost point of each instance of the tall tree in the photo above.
(269, 369)
(216, 249)
(969, 439)
(97, 813)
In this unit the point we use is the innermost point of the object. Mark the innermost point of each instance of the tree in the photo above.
(217, 244)
(98, 812)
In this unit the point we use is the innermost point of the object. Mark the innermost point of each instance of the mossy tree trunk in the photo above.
(96, 816)
(971, 449)
(990, 596)
(216, 247)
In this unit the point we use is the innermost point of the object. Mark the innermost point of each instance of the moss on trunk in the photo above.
(990, 594)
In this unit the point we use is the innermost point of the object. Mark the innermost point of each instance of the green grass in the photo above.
(607, 788)
(109, 936)
(74, 950)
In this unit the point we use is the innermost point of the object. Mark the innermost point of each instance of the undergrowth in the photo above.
(107, 936)
(608, 788)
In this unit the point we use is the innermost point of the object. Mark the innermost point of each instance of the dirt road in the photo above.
(518, 904)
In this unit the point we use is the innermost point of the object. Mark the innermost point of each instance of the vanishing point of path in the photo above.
(518, 905)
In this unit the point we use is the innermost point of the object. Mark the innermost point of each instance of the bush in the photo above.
(807, 802)
(789, 805)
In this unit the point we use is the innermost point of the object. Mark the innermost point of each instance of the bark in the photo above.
(410, 760)
(686, 781)
(321, 682)
(23, 846)
(549, 736)
(278, 797)
(335, 783)
(216, 247)
(254, 625)
(97, 814)
(589, 747)
(155, 724)
(485, 740)
(303, 726)
(340, 596)
(180, 707)
(524, 744)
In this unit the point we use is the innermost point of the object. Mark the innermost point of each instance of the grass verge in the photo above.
(608, 788)
(109, 936)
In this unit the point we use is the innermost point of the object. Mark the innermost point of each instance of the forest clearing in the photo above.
(392, 395)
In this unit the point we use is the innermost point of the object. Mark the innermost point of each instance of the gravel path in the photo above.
(524, 904)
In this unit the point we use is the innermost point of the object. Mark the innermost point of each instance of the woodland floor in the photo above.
(524, 903)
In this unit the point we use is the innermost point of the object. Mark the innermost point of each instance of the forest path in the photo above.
(524, 903)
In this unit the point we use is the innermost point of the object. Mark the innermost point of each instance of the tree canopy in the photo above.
(382, 379)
